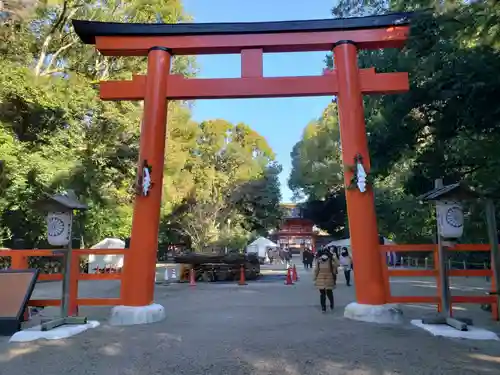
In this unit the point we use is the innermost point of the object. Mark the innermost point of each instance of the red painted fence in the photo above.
(19, 260)
(384, 249)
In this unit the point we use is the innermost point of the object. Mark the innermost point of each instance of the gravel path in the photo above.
(261, 328)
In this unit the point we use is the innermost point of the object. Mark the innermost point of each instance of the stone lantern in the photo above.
(450, 224)
(60, 209)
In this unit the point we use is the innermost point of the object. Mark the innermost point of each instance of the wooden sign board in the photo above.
(16, 287)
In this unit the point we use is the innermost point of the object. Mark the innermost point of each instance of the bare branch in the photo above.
(52, 71)
(55, 55)
(43, 54)
(61, 20)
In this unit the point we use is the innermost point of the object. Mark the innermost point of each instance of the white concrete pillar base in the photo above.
(132, 315)
(385, 314)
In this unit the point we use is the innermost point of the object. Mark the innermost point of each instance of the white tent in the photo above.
(391, 257)
(260, 246)
(110, 259)
(347, 242)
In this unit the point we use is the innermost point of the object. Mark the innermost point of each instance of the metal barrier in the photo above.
(435, 272)
(19, 260)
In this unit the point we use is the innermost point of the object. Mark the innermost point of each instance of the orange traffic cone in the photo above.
(242, 276)
(192, 281)
(288, 280)
(295, 277)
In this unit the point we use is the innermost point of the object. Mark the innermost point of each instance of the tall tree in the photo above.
(317, 173)
(258, 200)
(225, 161)
(56, 134)
(54, 130)
(446, 125)
(316, 158)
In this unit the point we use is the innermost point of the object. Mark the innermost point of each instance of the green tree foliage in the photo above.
(445, 126)
(317, 173)
(316, 159)
(230, 180)
(259, 201)
(55, 134)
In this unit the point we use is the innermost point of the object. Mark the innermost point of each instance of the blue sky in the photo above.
(280, 120)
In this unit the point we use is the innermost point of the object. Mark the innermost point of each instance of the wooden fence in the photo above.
(436, 300)
(19, 260)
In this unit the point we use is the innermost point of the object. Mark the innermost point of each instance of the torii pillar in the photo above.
(139, 267)
(371, 295)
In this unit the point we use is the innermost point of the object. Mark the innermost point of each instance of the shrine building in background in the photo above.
(296, 231)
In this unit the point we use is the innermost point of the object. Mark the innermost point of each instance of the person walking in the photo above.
(310, 258)
(287, 255)
(334, 250)
(305, 257)
(270, 254)
(324, 278)
(346, 264)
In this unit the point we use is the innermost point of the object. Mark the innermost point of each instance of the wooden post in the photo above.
(139, 270)
(435, 262)
(18, 262)
(491, 223)
(444, 266)
(73, 285)
(368, 275)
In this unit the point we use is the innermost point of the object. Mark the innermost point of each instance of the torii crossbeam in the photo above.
(159, 42)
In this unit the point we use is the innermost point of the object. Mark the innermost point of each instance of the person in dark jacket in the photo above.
(311, 258)
(305, 258)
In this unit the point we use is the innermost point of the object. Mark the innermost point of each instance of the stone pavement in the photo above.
(261, 328)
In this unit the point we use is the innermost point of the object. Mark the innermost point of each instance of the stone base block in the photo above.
(385, 314)
(131, 315)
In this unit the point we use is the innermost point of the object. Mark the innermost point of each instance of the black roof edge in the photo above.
(458, 189)
(89, 30)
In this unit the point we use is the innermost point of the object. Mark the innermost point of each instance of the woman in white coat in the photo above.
(346, 264)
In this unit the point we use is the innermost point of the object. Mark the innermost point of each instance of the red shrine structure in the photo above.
(160, 42)
(296, 232)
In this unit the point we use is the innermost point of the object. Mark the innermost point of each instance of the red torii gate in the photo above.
(159, 42)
